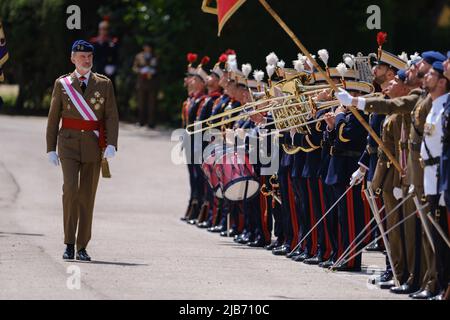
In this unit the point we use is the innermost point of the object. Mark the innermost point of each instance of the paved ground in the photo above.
(141, 249)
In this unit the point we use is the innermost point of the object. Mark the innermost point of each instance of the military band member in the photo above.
(347, 138)
(85, 103)
(194, 147)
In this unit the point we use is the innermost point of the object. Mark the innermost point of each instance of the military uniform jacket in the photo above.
(370, 157)
(417, 104)
(82, 145)
(386, 176)
(141, 61)
(309, 144)
(106, 53)
(347, 140)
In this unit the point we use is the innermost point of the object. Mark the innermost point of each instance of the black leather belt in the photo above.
(431, 161)
(344, 153)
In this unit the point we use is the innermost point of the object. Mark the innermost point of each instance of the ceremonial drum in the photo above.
(211, 176)
(236, 175)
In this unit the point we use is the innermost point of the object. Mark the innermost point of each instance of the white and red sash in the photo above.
(78, 101)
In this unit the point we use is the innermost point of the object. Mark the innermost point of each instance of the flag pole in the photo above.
(331, 83)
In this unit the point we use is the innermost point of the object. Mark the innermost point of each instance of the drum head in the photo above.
(235, 190)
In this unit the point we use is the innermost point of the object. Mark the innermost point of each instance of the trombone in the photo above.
(271, 104)
(307, 116)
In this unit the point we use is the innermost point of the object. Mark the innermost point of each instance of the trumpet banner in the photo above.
(224, 9)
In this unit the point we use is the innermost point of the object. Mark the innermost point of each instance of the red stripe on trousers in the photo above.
(312, 219)
(325, 229)
(264, 205)
(351, 225)
(293, 213)
(241, 217)
(448, 222)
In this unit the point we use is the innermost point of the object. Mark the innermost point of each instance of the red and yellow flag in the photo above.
(224, 10)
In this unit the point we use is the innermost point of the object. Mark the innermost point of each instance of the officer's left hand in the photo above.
(110, 152)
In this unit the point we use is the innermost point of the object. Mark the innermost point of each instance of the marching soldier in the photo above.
(85, 103)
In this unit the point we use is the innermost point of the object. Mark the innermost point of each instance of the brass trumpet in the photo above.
(293, 89)
(298, 119)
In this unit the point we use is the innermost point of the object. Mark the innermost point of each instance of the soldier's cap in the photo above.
(82, 46)
(359, 86)
(439, 67)
(201, 74)
(401, 74)
(217, 71)
(431, 57)
(190, 72)
(351, 74)
(391, 60)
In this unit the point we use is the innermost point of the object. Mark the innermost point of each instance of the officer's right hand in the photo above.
(53, 158)
(357, 177)
(344, 97)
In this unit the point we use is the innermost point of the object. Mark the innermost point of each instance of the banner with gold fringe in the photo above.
(224, 9)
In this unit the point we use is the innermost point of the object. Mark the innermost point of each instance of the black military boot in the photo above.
(82, 255)
(69, 253)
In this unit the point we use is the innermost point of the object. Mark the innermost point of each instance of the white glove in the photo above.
(53, 158)
(442, 200)
(357, 177)
(344, 97)
(110, 69)
(411, 189)
(110, 152)
(398, 193)
(145, 70)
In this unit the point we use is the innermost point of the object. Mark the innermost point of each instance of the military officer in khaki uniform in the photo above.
(145, 65)
(418, 103)
(393, 186)
(85, 104)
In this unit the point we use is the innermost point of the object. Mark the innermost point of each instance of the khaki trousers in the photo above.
(79, 189)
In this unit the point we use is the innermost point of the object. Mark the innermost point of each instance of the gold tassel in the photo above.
(105, 167)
